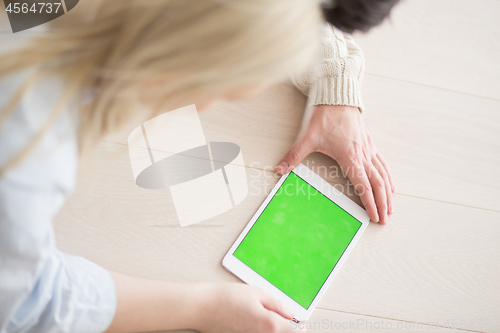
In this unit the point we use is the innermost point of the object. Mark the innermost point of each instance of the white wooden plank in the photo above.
(440, 145)
(448, 44)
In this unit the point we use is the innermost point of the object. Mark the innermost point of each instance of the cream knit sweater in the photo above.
(335, 77)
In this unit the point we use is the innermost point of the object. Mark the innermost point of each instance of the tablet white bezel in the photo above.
(249, 276)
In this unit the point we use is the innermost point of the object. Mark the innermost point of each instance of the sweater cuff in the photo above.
(337, 91)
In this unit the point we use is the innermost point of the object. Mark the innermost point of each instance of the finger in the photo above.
(381, 170)
(295, 155)
(272, 304)
(382, 161)
(275, 323)
(378, 187)
(361, 183)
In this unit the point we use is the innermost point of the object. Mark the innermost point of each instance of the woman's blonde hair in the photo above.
(196, 46)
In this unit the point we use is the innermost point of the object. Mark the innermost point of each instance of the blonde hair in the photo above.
(196, 46)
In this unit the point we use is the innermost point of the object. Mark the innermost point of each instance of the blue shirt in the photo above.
(41, 288)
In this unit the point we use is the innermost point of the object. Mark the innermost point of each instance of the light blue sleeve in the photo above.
(41, 288)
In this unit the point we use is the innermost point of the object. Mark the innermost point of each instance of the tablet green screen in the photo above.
(297, 240)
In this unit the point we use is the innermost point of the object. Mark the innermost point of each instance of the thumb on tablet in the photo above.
(272, 304)
(300, 149)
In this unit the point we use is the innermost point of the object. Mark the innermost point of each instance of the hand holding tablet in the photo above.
(297, 240)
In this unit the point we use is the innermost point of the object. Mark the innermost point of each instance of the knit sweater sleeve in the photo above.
(335, 78)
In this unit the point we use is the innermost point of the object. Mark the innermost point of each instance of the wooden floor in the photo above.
(432, 95)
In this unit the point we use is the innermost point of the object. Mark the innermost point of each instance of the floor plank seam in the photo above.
(451, 203)
(434, 87)
(401, 320)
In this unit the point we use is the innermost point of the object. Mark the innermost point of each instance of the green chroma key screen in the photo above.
(297, 240)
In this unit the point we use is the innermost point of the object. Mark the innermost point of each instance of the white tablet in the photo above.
(297, 240)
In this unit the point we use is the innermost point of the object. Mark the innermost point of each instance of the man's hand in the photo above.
(340, 132)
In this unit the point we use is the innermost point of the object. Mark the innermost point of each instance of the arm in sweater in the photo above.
(335, 78)
(333, 124)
